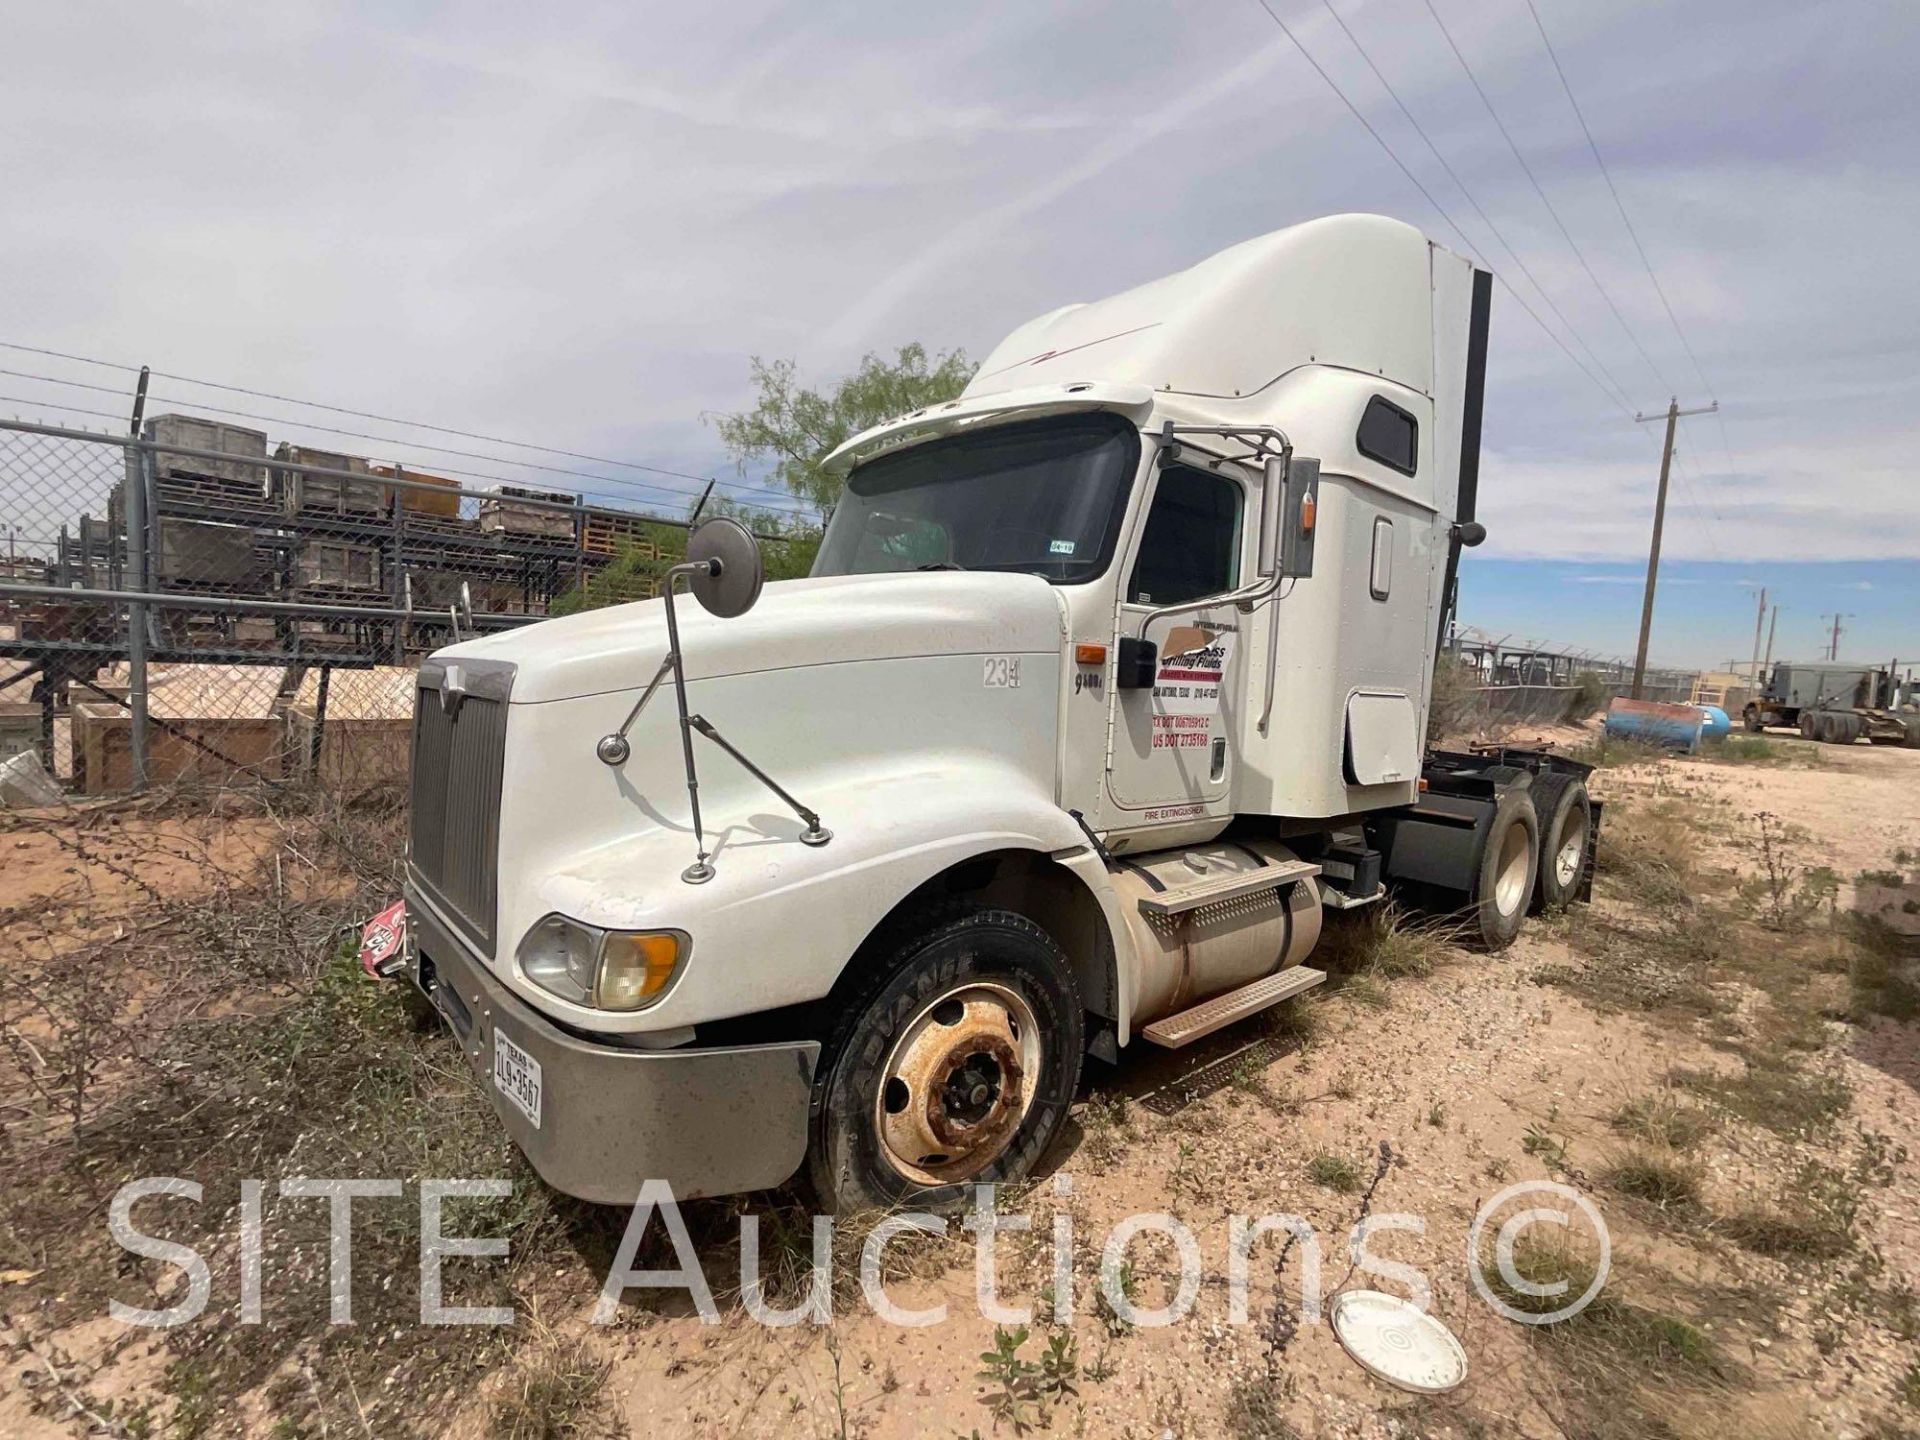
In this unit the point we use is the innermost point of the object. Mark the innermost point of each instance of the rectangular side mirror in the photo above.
(1136, 665)
(1273, 488)
(1299, 513)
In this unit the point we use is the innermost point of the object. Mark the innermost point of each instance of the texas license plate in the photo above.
(516, 1075)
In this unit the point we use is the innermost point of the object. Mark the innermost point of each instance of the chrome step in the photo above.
(1217, 888)
(1173, 1031)
(1339, 899)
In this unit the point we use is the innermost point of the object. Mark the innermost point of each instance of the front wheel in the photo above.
(1750, 717)
(955, 1065)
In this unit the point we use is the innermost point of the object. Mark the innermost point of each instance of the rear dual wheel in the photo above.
(1834, 727)
(953, 1065)
(1566, 827)
(1509, 867)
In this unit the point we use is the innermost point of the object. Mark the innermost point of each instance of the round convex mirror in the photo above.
(736, 586)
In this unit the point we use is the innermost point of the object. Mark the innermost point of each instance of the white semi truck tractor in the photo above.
(1111, 676)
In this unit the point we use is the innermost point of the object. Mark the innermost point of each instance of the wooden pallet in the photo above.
(214, 491)
(610, 535)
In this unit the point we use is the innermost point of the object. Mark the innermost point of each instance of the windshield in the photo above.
(1041, 498)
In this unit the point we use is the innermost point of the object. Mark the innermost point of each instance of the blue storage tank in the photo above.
(1718, 724)
(1675, 726)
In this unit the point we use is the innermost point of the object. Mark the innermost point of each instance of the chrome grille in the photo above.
(458, 752)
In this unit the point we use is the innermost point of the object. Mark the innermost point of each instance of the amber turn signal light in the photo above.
(634, 967)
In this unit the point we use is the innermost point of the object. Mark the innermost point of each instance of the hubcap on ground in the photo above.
(1573, 850)
(1510, 872)
(957, 1083)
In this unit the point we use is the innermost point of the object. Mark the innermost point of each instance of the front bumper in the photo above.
(707, 1121)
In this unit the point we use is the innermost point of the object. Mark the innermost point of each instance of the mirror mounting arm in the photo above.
(701, 870)
(815, 833)
(724, 572)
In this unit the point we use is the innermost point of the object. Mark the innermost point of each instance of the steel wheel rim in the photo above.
(1510, 871)
(1573, 848)
(958, 1083)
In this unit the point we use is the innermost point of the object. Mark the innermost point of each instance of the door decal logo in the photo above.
(1186, 690)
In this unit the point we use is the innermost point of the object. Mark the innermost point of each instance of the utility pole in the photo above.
(1674, 412)
(1772, 625)
(1759, 619)
(1833, 645)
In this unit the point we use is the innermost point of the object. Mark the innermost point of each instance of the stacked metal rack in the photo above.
(214, 552)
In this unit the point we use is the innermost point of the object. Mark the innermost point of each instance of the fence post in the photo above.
(136, 512)
(319, 726)
(397, 577)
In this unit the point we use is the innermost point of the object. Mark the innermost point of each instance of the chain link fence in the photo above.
(189, 606)
(1505, 681)
(194, 604)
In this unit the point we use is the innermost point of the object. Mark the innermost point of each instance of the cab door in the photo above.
(1169, 752)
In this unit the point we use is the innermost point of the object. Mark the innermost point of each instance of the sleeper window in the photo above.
(1191, 546)
(1390, 435)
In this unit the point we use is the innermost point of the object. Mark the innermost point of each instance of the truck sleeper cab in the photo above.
(1112, 675)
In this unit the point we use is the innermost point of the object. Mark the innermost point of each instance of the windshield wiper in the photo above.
(940, 565)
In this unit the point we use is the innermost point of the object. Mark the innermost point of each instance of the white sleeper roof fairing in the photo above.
(1351, 291)
(1348, 292)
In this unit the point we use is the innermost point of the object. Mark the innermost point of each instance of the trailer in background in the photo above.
(1837, 704)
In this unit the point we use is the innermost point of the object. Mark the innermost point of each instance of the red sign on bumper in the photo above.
(383, 942)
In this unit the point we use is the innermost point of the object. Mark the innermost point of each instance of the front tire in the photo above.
(1750, 717)
(952, 1066)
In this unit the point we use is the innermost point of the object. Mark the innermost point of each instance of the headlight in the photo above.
(608, 969)
(559, 956)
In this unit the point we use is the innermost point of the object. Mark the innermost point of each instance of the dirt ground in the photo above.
(1707, 1054)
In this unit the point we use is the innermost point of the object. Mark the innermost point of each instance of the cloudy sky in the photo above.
(572, 224)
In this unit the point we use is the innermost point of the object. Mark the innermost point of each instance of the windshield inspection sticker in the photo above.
(1186, 691)
(1061, 547)
(1001, 672)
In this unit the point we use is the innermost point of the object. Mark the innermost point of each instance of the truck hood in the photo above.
(824, 621)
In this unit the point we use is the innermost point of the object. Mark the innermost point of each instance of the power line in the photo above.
(1578, 254)
(1632, 231)
(1532, 180)
(1619, 204)
(361, 435)
(390, 440)
(1461, 185)
(1688, 471)
(390, 420)
(218, 410)
(1441, 210)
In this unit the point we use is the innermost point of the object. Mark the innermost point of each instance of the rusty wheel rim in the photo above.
(957, 1083)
